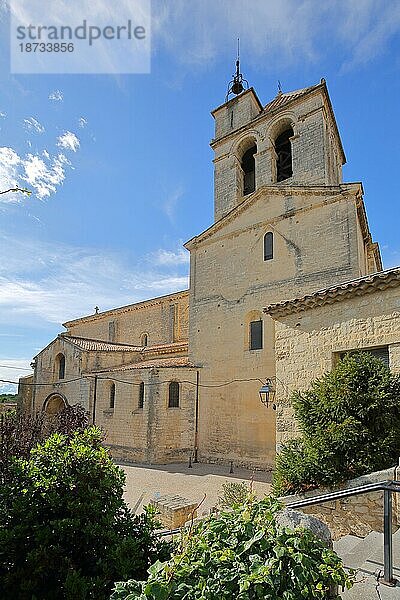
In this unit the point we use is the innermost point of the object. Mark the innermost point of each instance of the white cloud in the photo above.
(69, 141)
(12, 370)
(9, 174)
(168, 258)
(33, 126)
(170, 204)
(276, 33)
(42, 172)
(82, 122)
(44, 177)
(53, 283)
(3, 115)
(56, 96)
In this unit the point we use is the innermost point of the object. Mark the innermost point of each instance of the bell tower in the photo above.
(292, 141)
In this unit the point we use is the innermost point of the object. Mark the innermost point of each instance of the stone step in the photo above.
(346, 544)
(375, 561)
(371, 550)
(367, 588)
(363, 550)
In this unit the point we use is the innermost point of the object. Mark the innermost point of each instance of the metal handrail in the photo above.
(387, 487)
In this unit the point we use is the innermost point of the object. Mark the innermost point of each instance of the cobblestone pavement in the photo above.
(145, 482)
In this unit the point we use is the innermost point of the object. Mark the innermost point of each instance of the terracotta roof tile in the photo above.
(164, 348)
(90, 345)
(284, 98)
(156, 363)
(99, 345)
(357, 287)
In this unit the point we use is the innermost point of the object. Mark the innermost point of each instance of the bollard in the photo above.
(231, 469)
(190, 462)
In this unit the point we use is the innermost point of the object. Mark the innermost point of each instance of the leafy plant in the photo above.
(242, 554)
(350, 425)
(233, 493)
(65, 530)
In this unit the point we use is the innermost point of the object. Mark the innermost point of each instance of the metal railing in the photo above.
(387, 487)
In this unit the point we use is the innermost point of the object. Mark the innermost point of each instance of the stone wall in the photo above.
(154, 433)
(7, 407)
(308, 344)
(163, 319)
(357, 515)
(25, 394)
(315, 244)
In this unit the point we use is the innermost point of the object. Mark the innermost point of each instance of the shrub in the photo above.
(242, 554)
(233, 493)
(20, 433)
(350, 425)
(65, 530)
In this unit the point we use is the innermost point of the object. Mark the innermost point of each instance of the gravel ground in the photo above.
(144, 482)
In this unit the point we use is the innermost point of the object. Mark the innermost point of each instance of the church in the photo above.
(284, 281)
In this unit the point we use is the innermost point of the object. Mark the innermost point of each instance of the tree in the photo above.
(65, 530)
(19, 433)
(8, 397)
(349, 421)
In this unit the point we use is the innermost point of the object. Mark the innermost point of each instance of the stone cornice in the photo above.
(333, 193)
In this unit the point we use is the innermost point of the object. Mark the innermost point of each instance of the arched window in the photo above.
(112, 395)
(256, 335)
(144, 339)
(268, 246)
(60, 366)
(141, 395)
(283, 149)
(249, 170)
(173, 395)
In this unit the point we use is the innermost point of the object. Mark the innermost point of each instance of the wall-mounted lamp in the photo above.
(267, 394)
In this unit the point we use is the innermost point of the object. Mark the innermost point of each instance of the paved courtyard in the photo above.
(145, 482)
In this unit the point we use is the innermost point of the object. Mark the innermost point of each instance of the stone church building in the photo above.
(284, 281)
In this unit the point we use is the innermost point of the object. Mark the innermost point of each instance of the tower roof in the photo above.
(284, 98)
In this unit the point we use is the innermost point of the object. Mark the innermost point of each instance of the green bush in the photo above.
(350, 425)
(19, 433)
(233, 493)
(242, 554)
(65, 530)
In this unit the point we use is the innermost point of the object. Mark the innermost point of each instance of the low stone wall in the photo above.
(173, 511)
(357, 515)
(7, 406)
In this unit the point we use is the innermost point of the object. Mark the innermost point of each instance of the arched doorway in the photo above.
(54, 404)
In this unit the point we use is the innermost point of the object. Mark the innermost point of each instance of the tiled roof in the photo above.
(156, 363)
(99, 345)
(357, 287)
(284, 98)
(165, 348)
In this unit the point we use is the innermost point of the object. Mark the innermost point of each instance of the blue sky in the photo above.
(120, 165)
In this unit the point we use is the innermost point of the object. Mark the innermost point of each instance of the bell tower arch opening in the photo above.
(284, 158)
(248, 165)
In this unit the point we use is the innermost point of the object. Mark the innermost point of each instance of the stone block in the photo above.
(174, 511)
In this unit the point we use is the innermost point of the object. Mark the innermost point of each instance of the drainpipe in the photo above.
(94, 399)
(196, 420)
